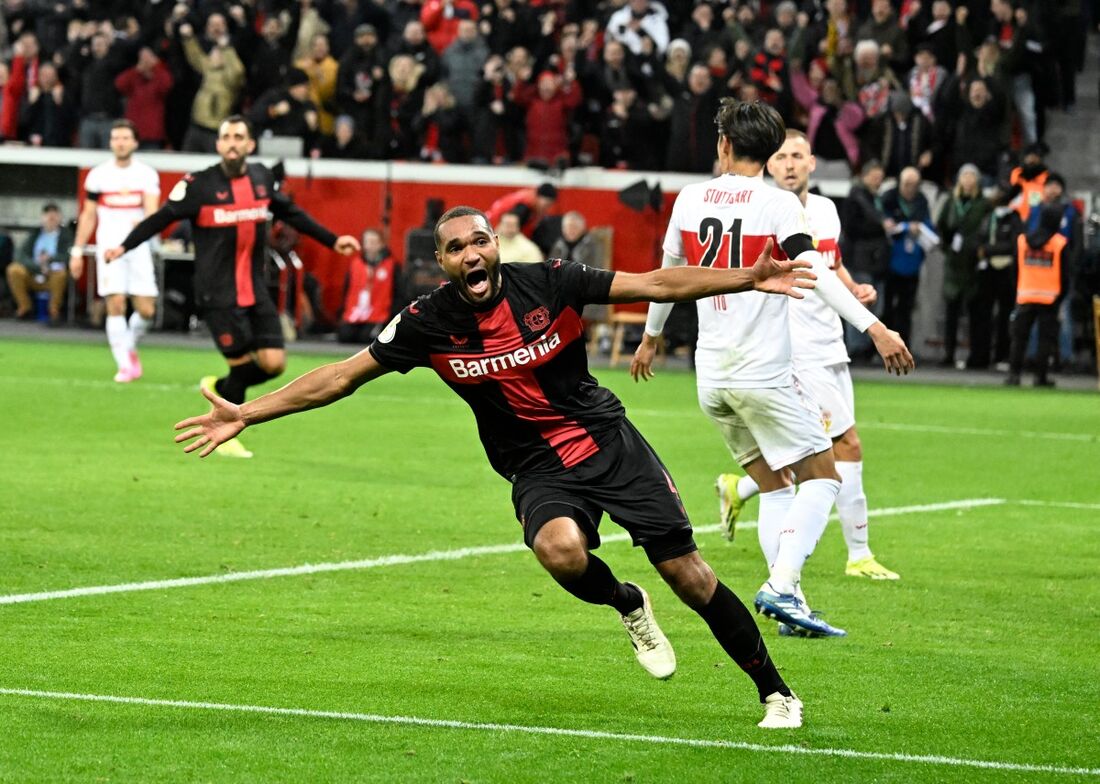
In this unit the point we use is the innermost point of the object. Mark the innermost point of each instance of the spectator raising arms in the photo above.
(145, 87)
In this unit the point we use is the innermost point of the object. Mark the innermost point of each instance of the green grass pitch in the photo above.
(988, 649)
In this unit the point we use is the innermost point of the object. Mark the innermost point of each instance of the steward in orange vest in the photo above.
(1040, 281)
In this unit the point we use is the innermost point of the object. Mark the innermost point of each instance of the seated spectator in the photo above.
(441, 19)
(833, 122)
(883, 28)
(346, 142)
(906, 136)
(576, 244)
(962, 223)
(909, 225)
(638, 20)
(287, 111)
(514, 247)
(369, 301)
(48, 116)
(441, 127)
(145, 87)
(321, 68)
(549, 104)
(40, 265)
(222, 76)
(693, 136)
(531, 205)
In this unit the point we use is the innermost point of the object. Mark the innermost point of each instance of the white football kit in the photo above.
(817, 337)
(743, 354)
(119, 193)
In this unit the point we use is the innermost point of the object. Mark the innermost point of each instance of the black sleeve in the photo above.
(183, 202)
(283, 208)
(579, 285)
(797, 244)
(401, 345)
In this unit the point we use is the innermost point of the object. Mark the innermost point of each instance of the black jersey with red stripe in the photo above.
(229, 218)
(519, 362)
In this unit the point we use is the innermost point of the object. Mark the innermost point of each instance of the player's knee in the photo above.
(848, 447)
(146, 310)
(116, 306)
(561, 552)
(273, 366)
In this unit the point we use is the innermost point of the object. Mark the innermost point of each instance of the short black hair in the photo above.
(124, 123)
(755, 129)
(50, 206)
(239, 118)
(457, 212)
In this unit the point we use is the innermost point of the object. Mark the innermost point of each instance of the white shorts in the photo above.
(780, 424)
(831, 388)
(132, 274)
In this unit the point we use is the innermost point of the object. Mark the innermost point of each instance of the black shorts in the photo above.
(627, 480)
(239, 331)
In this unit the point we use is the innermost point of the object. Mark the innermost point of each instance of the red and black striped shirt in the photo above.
(519, 362)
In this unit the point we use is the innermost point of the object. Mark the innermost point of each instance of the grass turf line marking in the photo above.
(416, 721)
(396, 560)
(1061, 504)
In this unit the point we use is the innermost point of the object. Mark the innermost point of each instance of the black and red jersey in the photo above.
(519, 362)
(230, 220)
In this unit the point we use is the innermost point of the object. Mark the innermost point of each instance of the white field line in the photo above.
(1060, 504)
(656, 413)
(395, 560)
(416, 721)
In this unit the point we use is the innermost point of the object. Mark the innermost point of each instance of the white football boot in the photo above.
(652, 648)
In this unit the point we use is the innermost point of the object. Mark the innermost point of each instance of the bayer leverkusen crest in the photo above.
(537, 319)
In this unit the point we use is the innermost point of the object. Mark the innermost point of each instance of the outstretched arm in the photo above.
(284, 208)
(317, 388)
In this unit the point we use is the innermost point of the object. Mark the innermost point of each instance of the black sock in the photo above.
(736, 631)
(598, 586)
(240, 378)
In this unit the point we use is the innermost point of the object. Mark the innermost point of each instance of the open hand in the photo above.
(213, 429)
(781, 277)
(641, 367)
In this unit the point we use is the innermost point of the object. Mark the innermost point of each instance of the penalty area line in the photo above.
(417, 721)
(400, 559)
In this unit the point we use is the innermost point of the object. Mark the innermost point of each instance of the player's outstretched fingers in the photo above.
(192, 433)
(199, 442)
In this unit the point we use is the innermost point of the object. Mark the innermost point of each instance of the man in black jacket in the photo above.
(863, 243)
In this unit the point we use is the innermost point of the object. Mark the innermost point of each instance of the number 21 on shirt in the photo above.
(715, 245)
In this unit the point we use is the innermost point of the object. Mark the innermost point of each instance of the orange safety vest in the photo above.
(1031, 191)
(1039, 271)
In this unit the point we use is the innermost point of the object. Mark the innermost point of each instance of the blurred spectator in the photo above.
(287, 111)
(549, 104)
(874, 80)
(909, 225)
(404, 100)
(369, 296)
(23, 72)
(576, 244)
(441, 127)
(310, 25)
(514, 247)
(222, 76)
(941, 35)
(462, 63)
(883, 28)
(271, 58)
(415, 44)
(346, 141)
(7, 254)
(1069, 53)
(98, 63)
(145, 88)
(677, 65)
(359, 87)
(505, 24)
(638, 21)
(962, 222)
(995, 286)
(829, 33)
(906, 137)
(1027, 181)
(769, 72)
(790, 23)
(610, 74)
(693, 137)
(1042, 278)
(833, 121)
(48, 116)
(1013, 31)
(627, 140)
(441, 19)
(497, 130)
(925, 81)
(863, 242)
(40, 265)
(703, 32)
(530, 204)
(974, 138)
(321, 68)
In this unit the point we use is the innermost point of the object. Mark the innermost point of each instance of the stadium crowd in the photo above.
(620, 83)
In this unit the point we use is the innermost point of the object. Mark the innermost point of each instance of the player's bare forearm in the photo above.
(678, 284)
(317, 388)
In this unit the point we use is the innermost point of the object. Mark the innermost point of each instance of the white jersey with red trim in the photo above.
(817, 336)
(119, 192)
(744, 339)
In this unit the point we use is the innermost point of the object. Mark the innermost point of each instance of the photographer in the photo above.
(637, 21)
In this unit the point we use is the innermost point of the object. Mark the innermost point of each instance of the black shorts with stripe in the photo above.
(625, 479)
(239, 331)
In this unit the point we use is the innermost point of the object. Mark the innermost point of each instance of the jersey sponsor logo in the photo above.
(537, 319)
(719, 196)
(488, 366)
(121, 199)
(457, 341)
(228, 217)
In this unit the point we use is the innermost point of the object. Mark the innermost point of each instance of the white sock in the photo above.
(773, 510)
(139, 325)
(851, 507)
(118, 337)
(747, 488)
(803, 526)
